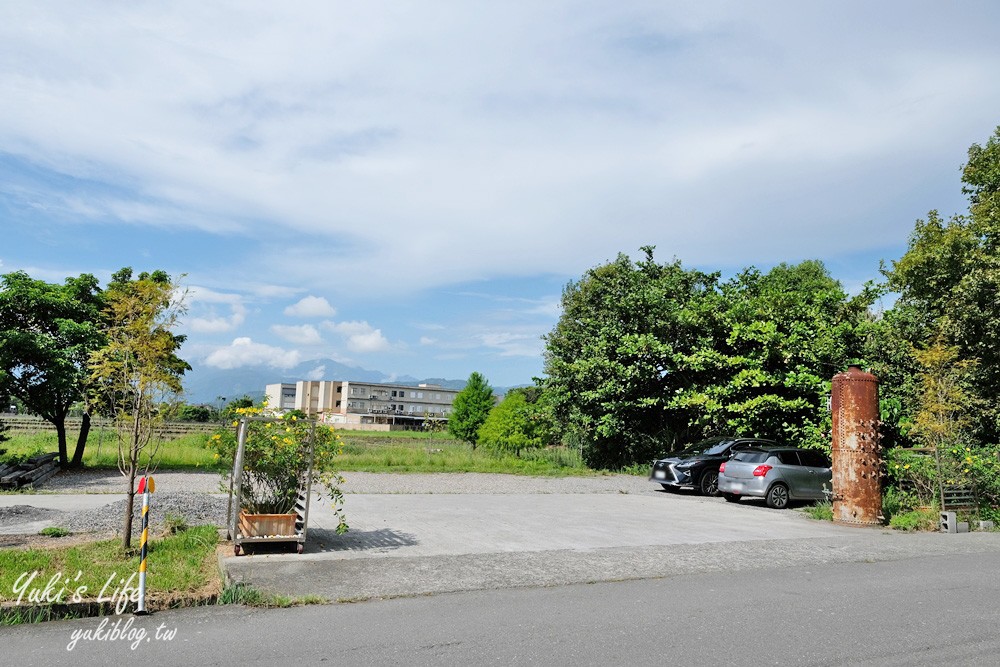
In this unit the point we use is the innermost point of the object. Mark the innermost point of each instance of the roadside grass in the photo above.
(390, 454)
(364, 451)
(821, 511)
(181, 569)
(186, 452)
(245, 594)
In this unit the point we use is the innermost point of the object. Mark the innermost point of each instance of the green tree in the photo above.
(512, 426)
(630, 338)
(945, 405)
(138, 368)
(47, 333)
(785, 334)
(948, 281)
(195, 413)
(470, 408)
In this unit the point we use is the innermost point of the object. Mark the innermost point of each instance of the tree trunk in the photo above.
(60, 425)
(81, 442)
(127, 531)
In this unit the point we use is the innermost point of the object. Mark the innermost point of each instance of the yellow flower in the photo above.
(236, 423)
(897, 466)
(267, 425)
(967, 449)
(906, 467)
(966, 470)
(216, 437)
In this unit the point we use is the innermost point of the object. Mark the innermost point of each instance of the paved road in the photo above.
(926, 610)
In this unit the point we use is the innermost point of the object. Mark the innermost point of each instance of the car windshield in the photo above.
(707, 447)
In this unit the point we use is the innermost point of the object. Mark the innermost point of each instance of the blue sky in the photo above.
(407, 187)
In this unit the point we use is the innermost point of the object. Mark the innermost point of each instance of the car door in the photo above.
(799, 480)
(818, 467)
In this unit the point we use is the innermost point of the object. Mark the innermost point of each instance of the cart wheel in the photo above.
(236, 550)
(299, 548)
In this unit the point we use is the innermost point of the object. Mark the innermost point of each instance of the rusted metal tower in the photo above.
(857, 453)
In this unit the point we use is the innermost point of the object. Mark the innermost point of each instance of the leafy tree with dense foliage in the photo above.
(138, 369)
(784, 335)
(646, 356)
(47, 333)
(195, 413)
(948, 281)
(513, 426)
(470, 408)
(631, 337)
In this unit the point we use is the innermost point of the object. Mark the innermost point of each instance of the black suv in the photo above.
(697, 465)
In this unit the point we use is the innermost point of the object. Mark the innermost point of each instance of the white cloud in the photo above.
(300, 335)
(204, 303)
(311, 306)
(513, 344)
(245, 352)
(427, 340)
(560, 124)
(317, 373)
(360, 337)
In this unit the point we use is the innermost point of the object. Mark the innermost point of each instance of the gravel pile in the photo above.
(196, 509)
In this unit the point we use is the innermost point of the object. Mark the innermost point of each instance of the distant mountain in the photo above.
(204, 384)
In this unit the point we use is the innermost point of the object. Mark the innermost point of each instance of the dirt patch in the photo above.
(18, 514)
(44, 542)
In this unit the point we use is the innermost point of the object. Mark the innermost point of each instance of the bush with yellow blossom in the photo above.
(276, 461)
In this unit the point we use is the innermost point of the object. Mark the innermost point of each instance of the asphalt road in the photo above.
(927, 610)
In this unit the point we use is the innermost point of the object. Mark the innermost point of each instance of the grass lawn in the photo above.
(184, 452)
(366, 451)
(181, 570)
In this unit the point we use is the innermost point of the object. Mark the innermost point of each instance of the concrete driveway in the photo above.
(411, 544)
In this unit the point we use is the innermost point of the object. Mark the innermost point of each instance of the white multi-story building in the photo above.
(365, 404)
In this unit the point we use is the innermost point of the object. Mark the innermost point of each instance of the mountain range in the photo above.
(215, 386)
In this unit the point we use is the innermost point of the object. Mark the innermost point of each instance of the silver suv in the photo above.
(776, 473)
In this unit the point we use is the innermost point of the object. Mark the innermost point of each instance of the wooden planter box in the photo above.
(267, 525)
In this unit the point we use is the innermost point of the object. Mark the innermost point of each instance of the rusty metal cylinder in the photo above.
(857, 453)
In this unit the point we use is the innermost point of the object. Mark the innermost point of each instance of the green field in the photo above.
(393, 451)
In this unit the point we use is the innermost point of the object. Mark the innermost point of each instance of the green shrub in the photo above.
(895, 501)
(821, 511)
(921, 519)
(54, 531)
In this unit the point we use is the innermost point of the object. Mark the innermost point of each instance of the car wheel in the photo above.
(709, 485)
(777, 497)
(731, 497)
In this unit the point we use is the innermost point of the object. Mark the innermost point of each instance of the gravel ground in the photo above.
(102, 481)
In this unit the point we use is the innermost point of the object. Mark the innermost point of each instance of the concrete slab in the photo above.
(423, 543)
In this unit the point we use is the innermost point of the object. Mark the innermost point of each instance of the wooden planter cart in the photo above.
(246, 528)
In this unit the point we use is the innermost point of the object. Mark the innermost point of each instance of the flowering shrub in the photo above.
(276, 461)
(916, 473)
